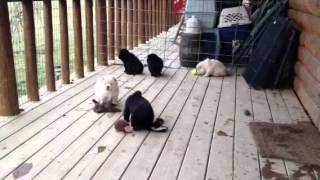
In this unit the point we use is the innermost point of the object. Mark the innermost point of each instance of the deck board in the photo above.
(147, 155)
(80, 148)
(208, 138)
(170, 160)
(220, 165)
(195, 161)
(297, 115)
(246, 165)
(280, 114)
(29, 117)
(88, 166)
(113, 167)
(262, 113)
(54, 136)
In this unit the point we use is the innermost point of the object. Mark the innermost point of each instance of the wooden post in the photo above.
(164, 14)
(118, 25)
(129, 24)
(47, 14)
(111, 29)
(140, 22)
(64, 40)
(154, 18)
(123, 30)
(76, 7)
(30, 51)
(167, 14)
(158, 17)
(135, 22)
(146, 20)
(9, 104)
(101, 23)
(171, 15)
(149, 19)
(89, 34)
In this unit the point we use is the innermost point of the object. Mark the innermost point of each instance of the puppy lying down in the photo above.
(211, 67)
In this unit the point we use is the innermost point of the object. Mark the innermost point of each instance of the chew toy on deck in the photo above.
(194, 72)
(122, 125)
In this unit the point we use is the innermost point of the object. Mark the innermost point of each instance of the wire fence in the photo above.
(16, 23)
(133, 23)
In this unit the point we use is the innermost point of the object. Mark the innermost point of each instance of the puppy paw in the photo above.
(128, 129)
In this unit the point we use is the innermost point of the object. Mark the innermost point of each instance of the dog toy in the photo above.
(194, 72)
(123, 126)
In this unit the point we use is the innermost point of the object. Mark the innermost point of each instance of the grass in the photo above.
(15, 10)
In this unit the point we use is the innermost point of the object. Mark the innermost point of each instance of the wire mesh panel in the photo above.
(16, 24)
(56, 39)
(40, 44)
(141, 26)
(147, 24)
(224, 26)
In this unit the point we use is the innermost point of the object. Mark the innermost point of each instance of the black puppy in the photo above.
(132, 64)
(139, 112)
(155, 65)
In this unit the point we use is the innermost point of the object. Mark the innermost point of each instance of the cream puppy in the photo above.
(106, 92)
(211, 67)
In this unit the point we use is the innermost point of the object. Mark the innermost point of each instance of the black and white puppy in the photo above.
(155, 65)
(132, 64)
(139, 113)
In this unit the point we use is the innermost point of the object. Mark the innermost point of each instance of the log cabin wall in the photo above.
(306, 13)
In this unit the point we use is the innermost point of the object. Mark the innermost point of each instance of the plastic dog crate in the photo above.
(234, 28)
(189, 49)
(222, 4)
(204, 10)
(196, 47)
(210, 44)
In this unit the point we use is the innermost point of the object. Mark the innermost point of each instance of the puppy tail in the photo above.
(158, 126)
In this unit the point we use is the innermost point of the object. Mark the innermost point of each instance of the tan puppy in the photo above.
(211, 67)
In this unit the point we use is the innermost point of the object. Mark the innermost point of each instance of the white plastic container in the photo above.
(193, 26)
(234, 16)
(204, 10)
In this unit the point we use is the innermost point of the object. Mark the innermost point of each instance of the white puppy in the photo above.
(106, 91)
(211, 67)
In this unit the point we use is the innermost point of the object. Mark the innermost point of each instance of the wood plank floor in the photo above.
(208, 137)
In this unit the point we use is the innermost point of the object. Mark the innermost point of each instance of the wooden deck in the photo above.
(209, 137)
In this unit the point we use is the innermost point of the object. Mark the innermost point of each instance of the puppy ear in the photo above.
(137, 93)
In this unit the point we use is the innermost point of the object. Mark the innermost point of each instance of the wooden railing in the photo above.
(137, 20)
